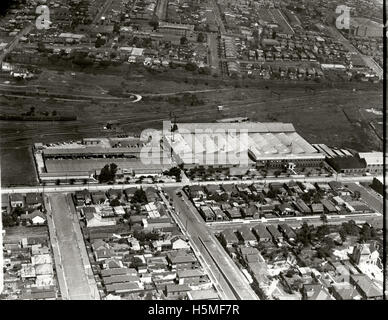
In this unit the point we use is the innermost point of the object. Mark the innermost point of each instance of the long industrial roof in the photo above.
(194, 142)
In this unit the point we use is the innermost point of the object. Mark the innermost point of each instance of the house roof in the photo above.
(117, 271)
(122, 287)
(366, 285)
(37, 213)
(190, 273)
(345, 290)
(171, 288)
(32, 198)
(316, 292)
(208, 294)
(262, 231)
(122, 278)
(16, 197)
(273, 231)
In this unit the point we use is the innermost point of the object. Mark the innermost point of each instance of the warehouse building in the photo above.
(248, 144)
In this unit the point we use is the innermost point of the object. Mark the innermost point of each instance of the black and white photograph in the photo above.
(191, 154)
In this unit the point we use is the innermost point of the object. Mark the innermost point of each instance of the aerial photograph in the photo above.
(194, 150)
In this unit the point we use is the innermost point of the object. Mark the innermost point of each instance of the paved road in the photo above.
(161, 9)
(102, 12)
(98, 187)
(12, 45)
(230, 278)
(72, 268)
(217, 14)
(206, 261)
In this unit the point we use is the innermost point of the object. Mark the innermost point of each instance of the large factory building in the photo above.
(248, 144)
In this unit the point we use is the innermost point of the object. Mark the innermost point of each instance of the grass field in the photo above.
(329, 114)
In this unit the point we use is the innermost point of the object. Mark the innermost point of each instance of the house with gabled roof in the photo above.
(16, 200)
(229, 237)
(262, 233)
(176, 290)
(274, 232)
(287, 231)
(345, 291)
(366, 287)
(34, 200)
(180, 259)
(316, 292)
(191, 276)
(247, 236)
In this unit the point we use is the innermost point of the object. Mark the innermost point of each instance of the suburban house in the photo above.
(328, 206)
(287, 231)
(247, 236)
(275, 234)
(191, 276)
(262, 233)
(366, 287)
(180, 259)
(33, 200)
(315, 292)
(178, 243)
(176, 290)
(345, 291)
(36, 217)
(16, 200)
(229, 237)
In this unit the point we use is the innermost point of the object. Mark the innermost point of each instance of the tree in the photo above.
(342, 234)
(201, 37)
(136, 262)
(139, 196)
(41, 47)
(190, 66)
(304, 234)
(351, 228)
(9, 220)
(154, 22)
(115, 203)
(174, 172)
(107, 173)
(366, 233)
(183, 41)
(104, 174)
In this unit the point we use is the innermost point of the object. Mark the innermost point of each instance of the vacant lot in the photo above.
(322, 113)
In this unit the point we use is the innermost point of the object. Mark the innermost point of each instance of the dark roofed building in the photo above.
(287, 231)
(276, 235)
(34, 199)
(261, 232)
(302, 206)
(229, 237)
(348, 164)
(328, 206)
(247, 236)
(234, 213)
